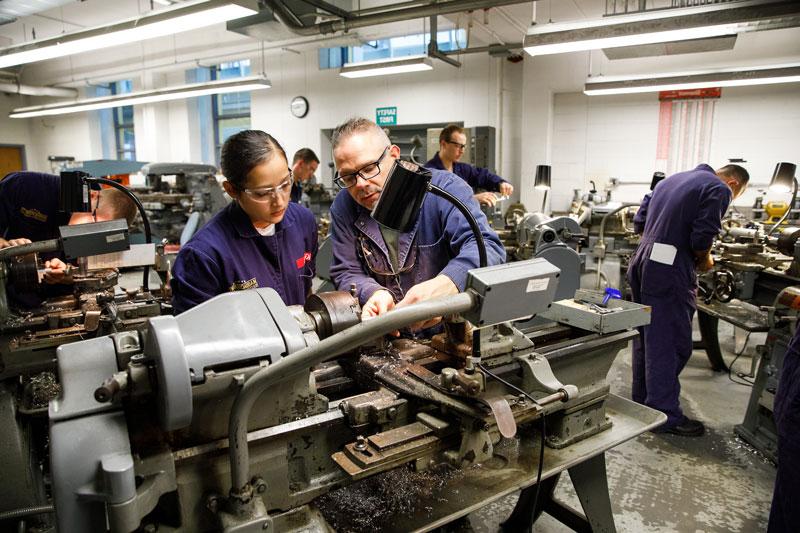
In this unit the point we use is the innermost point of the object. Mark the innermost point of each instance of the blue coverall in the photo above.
(441, 242)
(478, 178)
(684, 211)
(228, 254)
(784, 517)
(29, 206)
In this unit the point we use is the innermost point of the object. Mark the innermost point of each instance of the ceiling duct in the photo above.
(11, 10)
(265, 25)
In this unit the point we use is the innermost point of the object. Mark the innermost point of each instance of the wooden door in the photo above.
(12, 159)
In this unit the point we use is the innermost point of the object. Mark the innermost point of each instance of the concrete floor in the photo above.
(668, 483)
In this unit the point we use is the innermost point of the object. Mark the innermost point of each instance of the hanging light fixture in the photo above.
(180, 18)
(659, 26)
(383, 67)
(251, 83)
(763, 75)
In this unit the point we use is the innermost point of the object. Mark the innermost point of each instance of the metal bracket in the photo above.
(537, 374)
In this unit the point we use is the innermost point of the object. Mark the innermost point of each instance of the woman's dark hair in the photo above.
(245, 150)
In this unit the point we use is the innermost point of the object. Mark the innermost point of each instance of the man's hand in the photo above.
(486, 198)
(13, 242)
(380, 302)
(506, 189)
(56, 271)
(433, 288)
(704, 264)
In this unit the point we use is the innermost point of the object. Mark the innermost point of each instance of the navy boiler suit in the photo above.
(478, 178)
(228, 254)
(29, 206)
(683, 212)
(784, 516)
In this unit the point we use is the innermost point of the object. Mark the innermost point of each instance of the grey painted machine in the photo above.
(244, 414)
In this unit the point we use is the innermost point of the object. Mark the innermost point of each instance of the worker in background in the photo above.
(304, 164)
(678, 222)
(29, 211)
(452, 142)
(261, 239)
(389, 268)
(784, 517)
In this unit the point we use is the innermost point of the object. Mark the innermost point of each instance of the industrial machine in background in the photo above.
(752, 286)
(245, 414)
(179, 199)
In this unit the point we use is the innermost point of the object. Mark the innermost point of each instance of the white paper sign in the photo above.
(536, 285)
(663, 253)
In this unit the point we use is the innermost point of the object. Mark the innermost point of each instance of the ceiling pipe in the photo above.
(358, 20)
(30, 90)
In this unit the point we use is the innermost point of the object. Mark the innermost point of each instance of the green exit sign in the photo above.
(386, 116)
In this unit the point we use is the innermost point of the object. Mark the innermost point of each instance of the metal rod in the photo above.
(492, 48)
(343, 341)
(50, 245)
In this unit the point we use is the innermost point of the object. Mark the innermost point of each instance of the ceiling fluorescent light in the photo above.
(384, 67)
(658, 26)
(693, 80)
(251, 83)
(183, 17)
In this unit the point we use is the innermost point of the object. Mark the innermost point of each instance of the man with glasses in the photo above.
(452, 142)
(261, 239)
(389, 268)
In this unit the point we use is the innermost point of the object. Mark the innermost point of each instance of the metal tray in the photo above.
(621, 314)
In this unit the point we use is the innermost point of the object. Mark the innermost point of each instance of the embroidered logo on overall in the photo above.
(303, 260)
(244, 285)
(33, 213)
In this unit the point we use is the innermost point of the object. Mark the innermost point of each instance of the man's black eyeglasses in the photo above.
(367, 172)
(459, 145)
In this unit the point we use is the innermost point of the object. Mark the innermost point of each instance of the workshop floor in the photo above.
(669, 483)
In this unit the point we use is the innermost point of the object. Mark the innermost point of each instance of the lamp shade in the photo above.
(542, 177)
(402, 195)
(783, 177)
(657, 176)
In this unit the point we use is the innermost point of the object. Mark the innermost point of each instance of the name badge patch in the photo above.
(244, 285)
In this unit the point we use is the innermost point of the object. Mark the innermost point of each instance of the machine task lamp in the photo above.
(401, 201)
(783, 180)
(542, 182)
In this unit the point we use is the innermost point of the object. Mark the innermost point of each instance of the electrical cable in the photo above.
(148, 237)
(543, 430)
(747, 382)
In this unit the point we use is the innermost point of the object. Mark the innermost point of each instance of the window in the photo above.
(407, 45)
(230, 111)
(123, 124)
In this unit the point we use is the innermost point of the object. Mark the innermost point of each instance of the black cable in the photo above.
(148, 237)
(747, 382)
(473, 224)
(544, 428)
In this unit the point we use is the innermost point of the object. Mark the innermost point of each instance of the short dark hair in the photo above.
(306, 155)
(448, 131)
(736, 172)
(245, 150)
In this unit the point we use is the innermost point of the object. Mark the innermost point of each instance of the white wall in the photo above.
(602, 137)
(14, 131)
